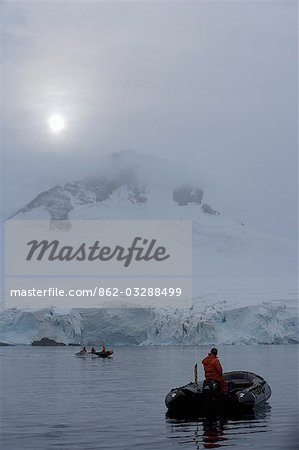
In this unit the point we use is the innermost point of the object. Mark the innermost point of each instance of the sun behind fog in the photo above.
(56, 123)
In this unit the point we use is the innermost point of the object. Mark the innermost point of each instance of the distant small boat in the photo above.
(105, 354)
(246, 390)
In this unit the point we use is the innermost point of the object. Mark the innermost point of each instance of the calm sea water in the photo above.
(51, 399)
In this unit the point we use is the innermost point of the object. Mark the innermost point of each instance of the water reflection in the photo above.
(217, 431)
(213, 433)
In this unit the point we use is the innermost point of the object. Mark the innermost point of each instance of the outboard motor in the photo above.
(210, 391)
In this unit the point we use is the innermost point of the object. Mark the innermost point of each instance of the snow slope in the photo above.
(244, 283)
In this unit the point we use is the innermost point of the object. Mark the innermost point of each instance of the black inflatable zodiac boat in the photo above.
(246, 390)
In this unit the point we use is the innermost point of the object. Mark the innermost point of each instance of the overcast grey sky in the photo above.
(212, 82)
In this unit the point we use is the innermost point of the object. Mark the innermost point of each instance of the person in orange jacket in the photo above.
(213, 370)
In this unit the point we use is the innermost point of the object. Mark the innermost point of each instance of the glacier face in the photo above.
(267, 323)
(244, 283)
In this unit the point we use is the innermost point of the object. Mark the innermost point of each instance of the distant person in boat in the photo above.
(213, 370)
(103, 349)
(83, 350)
(93, 350)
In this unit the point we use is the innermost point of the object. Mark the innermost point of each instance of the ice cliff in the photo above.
(267, 323)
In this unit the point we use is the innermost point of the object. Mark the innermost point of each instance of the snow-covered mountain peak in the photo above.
(134, 185)
(125, 179)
